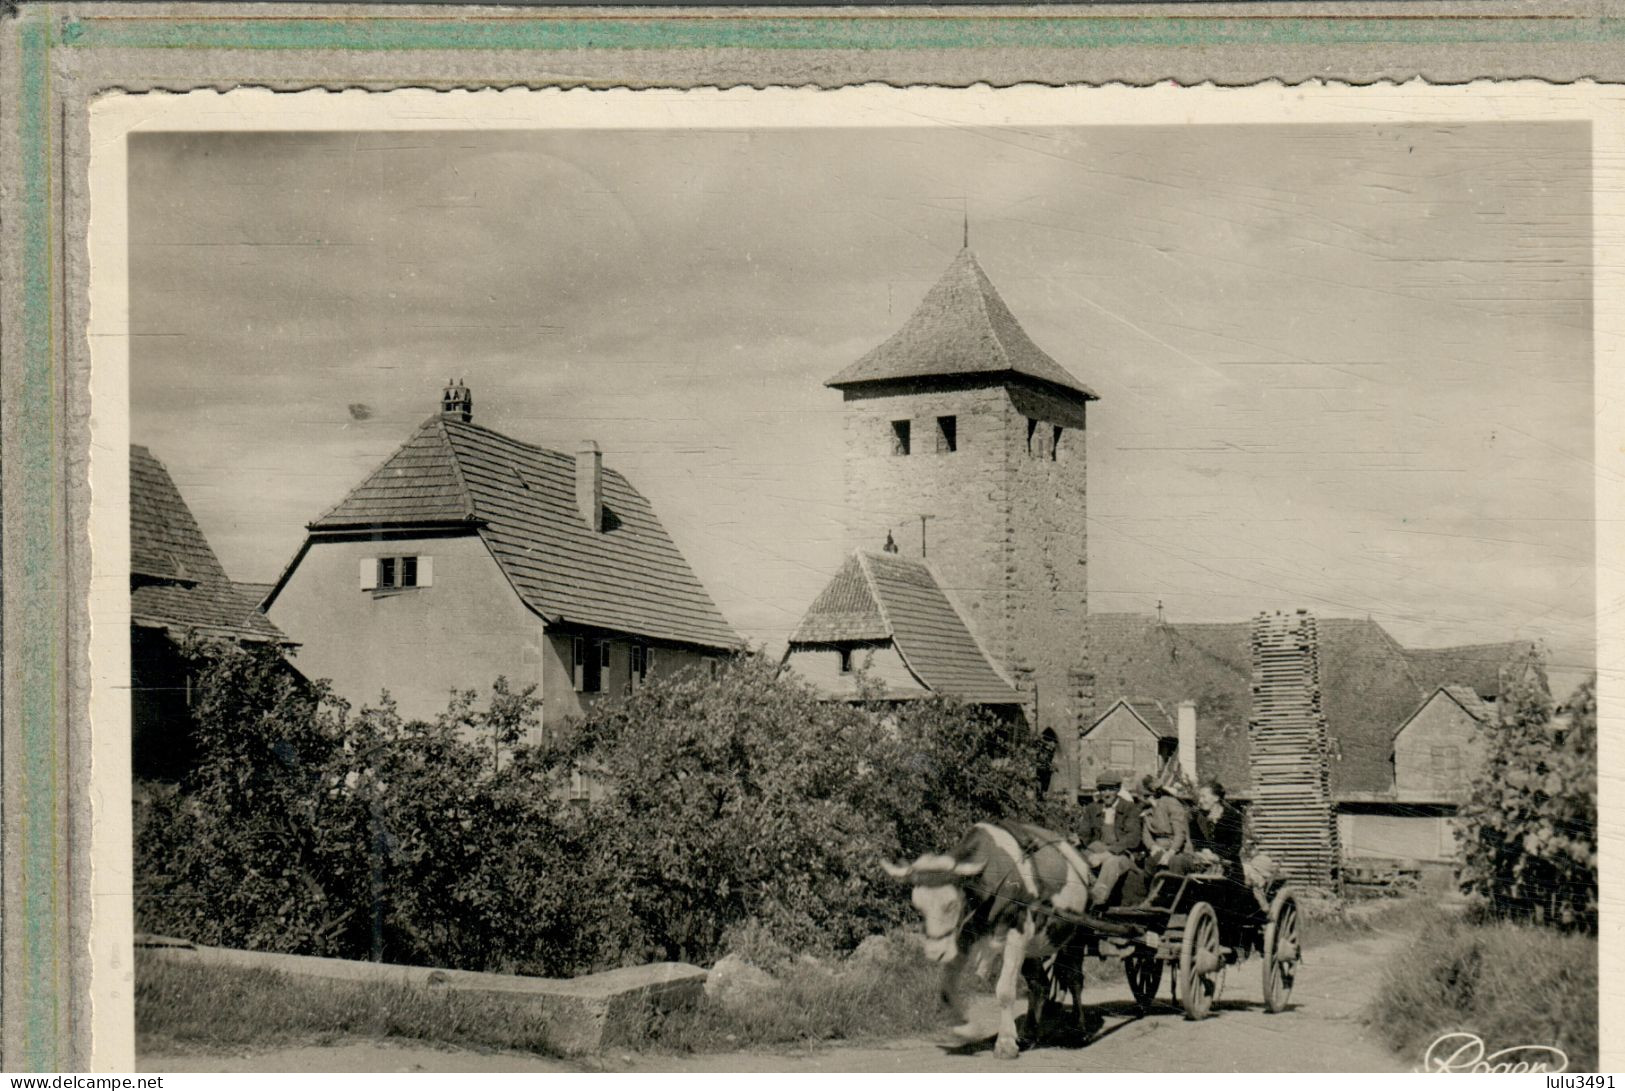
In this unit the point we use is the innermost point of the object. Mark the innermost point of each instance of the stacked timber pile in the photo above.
(1292, 815)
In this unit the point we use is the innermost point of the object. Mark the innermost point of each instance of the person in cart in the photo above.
(1167, 827)
(1114, 850)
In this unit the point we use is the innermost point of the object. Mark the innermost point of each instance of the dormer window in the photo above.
(947, 435)
(899, 437)
(1032, 427)
(1055, 443)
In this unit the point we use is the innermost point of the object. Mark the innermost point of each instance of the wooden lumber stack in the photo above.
(1292, 815)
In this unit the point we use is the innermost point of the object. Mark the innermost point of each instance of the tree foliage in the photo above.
(739, 801)
(1527, 846)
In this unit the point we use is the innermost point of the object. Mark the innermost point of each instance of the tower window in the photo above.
(1055, 443)
(947, 434)
(899, 437)
(1032, 427)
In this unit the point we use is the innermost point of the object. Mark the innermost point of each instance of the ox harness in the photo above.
(1029, 847)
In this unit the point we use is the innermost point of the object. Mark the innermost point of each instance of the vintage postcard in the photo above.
(1013, 579)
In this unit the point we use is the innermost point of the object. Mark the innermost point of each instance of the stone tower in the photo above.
(965, 443)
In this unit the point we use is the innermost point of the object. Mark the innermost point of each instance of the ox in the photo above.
(1000, 889)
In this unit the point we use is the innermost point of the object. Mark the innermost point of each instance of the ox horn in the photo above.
(897, 871)
(969, 867)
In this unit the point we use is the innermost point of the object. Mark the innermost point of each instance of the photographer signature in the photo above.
(1464, 1052)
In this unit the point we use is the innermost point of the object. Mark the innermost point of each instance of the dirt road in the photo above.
(1321, 1031)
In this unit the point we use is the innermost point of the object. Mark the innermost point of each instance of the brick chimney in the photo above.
(1187, 739)
(457, 402)
(590, 484)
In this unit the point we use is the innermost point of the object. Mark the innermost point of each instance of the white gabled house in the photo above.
(469, 554)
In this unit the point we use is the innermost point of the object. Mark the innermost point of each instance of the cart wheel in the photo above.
(1201, 965)
(1282, 950)
(1144, 972)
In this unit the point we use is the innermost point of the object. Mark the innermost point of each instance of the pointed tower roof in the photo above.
(961, 327)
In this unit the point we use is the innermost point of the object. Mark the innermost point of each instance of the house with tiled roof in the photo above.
(469, 555)
(965, 454)
(178, 593)
(1135, 737)
(883, 629)
(1387, 707)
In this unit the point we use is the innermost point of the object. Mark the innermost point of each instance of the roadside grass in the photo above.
(211, 1009)
(892, 993)
(208, 1009)
(1509, 984)
(1332, 921)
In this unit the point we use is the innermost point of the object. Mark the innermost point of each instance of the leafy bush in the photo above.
(1509, 984)
(749, 798)
(730, 802)
(1528, 840)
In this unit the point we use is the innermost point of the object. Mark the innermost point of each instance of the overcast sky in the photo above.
(1345, 368)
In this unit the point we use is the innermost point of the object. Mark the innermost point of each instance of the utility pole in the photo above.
(923, 518)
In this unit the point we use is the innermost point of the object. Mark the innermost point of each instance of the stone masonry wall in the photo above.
(1006, 533)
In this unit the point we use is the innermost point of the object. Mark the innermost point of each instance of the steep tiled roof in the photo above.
(961, 327)
(628, 577)
(1477, 666)
(176, 580)
(255, 591)
(1368, 689)
(844, 611)
(915, 615)
(1154, 716)
(417, 484)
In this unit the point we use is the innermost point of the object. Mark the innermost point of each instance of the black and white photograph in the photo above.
(879, 581)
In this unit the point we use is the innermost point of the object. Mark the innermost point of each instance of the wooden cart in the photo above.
(1201, 925)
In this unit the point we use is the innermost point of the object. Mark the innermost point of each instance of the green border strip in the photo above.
(31, 640)
(896, 32)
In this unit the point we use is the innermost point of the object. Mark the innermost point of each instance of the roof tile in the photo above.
(882, 596)
(177, 582)
(961, 327)
(628, 577)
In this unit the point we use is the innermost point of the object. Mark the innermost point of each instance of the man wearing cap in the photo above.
(1121, 840)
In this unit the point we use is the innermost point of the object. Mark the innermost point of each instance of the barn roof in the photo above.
(1367, 688)
(177, 582)
(1477, 666)
(878, 597)
(962, 327)
(521, 499)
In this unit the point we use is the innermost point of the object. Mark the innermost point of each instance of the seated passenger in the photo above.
(1167, 829)
(1120, 842)
(1217, 837)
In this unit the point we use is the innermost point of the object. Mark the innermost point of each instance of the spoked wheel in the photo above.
(1282, 950)
(1201, 964)
(1144, 971)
